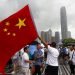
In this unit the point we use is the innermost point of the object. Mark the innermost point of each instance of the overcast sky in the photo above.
(46, 13)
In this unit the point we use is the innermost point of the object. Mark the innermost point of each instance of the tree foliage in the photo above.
(68, 41)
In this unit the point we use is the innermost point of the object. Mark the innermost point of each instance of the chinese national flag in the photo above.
(16, 31)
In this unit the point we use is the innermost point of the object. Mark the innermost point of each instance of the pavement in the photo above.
(63, 69)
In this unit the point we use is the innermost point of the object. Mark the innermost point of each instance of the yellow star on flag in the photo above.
(7, 23)
(5, 29)
(21, 23)
(8, 33)
(14, 34)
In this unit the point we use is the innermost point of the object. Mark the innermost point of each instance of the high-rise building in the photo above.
(57, 37)
(50, 35)
(69, 34)
(53, 38)
(43, 35)
(47, 35)
(64, 30)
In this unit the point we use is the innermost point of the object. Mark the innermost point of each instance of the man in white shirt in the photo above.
(25, 62)
(52, 56)
(52, 60)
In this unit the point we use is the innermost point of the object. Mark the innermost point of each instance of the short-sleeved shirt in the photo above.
(24, 64)
(73, 59)
(52, 56)
(38, 61)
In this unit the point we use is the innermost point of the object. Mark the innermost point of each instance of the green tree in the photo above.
(68, 41)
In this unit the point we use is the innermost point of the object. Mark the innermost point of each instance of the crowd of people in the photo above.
(35, 59)
(72, 59)
(68, 55)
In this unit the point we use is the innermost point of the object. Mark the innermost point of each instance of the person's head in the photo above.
(26, 49)
(34, 43)
(53, 44)
(72, 48)
(39, 46)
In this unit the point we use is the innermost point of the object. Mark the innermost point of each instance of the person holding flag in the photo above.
(52, 58)
(17, 29)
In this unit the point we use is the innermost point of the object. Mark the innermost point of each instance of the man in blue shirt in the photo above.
(38, 59)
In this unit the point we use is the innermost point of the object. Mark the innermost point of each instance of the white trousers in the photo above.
(26, 71)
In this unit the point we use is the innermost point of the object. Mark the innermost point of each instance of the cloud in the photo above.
(47, 14)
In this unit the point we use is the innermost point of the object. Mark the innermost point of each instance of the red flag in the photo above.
(16, 31)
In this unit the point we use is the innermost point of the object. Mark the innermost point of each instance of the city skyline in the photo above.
(48, 37)
(47, 14)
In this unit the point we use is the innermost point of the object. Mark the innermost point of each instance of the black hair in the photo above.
(38, 43)
(53, 44)
(34, 43)
(25, 48)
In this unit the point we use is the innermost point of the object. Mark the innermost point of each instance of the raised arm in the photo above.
(45, 44)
